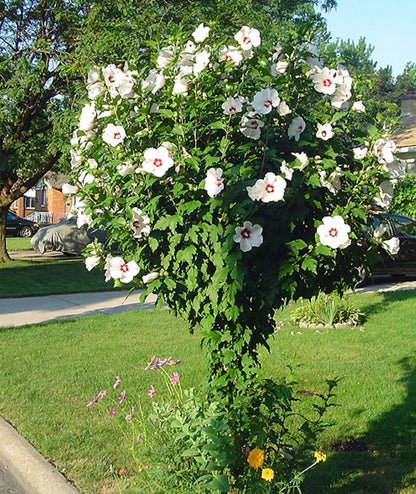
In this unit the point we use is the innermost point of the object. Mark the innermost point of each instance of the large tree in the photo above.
(35, 39)
(47, 46)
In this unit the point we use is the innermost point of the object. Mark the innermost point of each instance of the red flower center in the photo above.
(117, 135)
(324, 133)
(111, 78)
(269, 188)
(124, 268)
(246, 40)
(157, 162)
(327, 82)
(268, 103)
(232, 108)
(246, 233)
(333, 232)
(254, 124)
(136, 224)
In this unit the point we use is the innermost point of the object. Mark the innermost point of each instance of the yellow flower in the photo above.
(319, 456)
(256, 458)
(267, 474)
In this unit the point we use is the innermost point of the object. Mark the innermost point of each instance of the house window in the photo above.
(29, 202)
(42, 197)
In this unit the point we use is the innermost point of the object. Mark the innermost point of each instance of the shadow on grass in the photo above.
(388, 464)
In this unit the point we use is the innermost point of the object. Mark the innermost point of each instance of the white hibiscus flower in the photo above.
(296, 127)
(214, 183)
(334, 232)
(157, 161)
(384, 150)
(269, 189)
(154, 81)
(232, 106)
(251, 126)
(125, 168)
(283, 109)
(360, 153)
(117, 269)
(358, 106)
(265, 100)
(165, 57)
(341, 95)
(324, 80)
(386, 194)
(248, 38)
(200, 33)
(114, 135)
(140, 223)
(230, 54)
(248, 236)
(87, 117)
(392, 246)
(303, 158)
(324, 131)
(113, 76)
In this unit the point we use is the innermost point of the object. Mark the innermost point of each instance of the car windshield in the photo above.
(11, 216)
(381, 223)
(405, 226)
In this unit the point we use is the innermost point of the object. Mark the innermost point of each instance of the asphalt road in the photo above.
(8, 484)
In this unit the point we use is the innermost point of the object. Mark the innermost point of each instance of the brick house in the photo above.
(45, 203)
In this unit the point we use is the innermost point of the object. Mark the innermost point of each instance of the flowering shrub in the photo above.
(231, 175)
(185, 444)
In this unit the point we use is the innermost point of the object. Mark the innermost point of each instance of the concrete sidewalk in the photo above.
(33, 310)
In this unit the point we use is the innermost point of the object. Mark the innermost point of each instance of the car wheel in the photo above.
(25, 231)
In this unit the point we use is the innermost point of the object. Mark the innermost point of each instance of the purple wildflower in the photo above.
(112, 411)
(117, 382)
(156, 362)
(151, 392)
(130, 415)
(174, 378)
(122, 396)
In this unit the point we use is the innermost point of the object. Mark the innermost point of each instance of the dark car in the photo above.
(20, 227)
(404, 228)
(65, 237)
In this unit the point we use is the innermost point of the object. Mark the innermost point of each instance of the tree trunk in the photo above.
(4, 255)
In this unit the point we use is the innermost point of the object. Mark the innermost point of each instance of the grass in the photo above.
(18, 243)
(52, 370)
(45, 276)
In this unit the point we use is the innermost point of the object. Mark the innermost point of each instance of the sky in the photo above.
(388, 25)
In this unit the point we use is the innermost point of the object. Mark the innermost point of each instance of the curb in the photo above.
(26, 465)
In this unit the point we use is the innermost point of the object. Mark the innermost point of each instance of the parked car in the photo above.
(404, 228)
(20, 227)
(65, 237)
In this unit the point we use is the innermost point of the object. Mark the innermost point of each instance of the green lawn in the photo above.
(18, 243)
(50, 371)
(47, 276)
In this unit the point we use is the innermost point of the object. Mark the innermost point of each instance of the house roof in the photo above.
(55, 180)
(406, 136)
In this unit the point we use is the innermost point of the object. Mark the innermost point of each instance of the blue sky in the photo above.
(388, 25)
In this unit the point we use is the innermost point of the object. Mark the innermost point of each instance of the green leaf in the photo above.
(297, 245)
(219, 483)
(309, 264)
